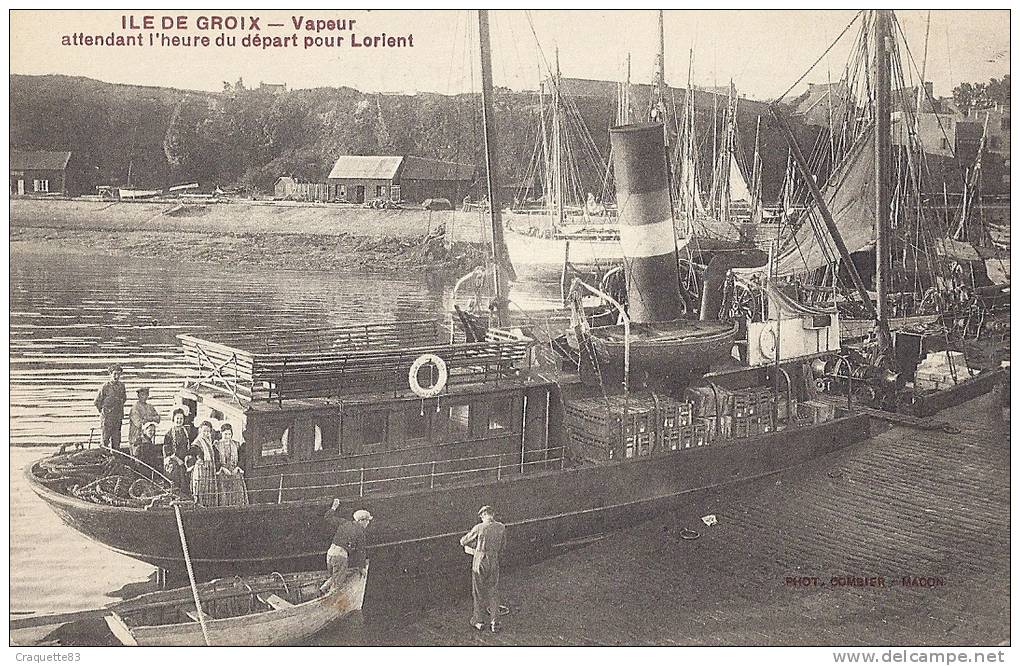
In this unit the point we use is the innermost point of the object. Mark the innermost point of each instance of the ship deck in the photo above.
(906, 503)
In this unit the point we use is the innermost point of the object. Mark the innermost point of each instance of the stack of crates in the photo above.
(615, 427)
(815, 411)
(742, 413)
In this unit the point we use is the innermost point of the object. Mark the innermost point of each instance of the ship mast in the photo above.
(557, 161)
(883, 149)
(657, 104)
(501, 262)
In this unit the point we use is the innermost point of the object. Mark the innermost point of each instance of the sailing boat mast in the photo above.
(501, 262)
(883, 152)
(557, 161)
(657, 109)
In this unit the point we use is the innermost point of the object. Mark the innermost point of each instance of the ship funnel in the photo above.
(645, 215)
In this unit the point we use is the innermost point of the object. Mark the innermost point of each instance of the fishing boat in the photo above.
(273, 609)
(571, 226)
(421, 425)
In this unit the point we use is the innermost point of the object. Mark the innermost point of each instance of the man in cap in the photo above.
(141, 413)
(484, 542)
(348, 550)
(110, 403)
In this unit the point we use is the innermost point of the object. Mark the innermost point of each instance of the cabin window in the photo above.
(394, 192)
(460, 421)
(41, 185)
(416, 423)
(343, 191)
(500, 415)
(374, 427)
(275, 439)
(326, 434)
(380, 191)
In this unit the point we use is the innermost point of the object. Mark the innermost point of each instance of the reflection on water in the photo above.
(72, 316)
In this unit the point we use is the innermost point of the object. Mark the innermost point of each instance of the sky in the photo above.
(763, 51)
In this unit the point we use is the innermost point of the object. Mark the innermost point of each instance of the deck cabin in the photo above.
(339, 412)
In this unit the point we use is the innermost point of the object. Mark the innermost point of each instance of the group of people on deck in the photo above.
(201, 461)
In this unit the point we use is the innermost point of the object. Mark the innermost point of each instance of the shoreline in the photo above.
(431, 256)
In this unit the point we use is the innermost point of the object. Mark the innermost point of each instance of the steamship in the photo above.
(422, 425)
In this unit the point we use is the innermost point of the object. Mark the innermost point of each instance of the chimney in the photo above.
(645, 214)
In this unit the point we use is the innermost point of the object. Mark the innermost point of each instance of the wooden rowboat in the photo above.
(273, 609)
(686, 343)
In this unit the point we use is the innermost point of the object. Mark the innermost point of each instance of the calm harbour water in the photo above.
(73, 315)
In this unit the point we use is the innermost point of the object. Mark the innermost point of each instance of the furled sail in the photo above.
(739, 191)
(849, 194)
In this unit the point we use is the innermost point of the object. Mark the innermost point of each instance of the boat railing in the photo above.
(430, 474)
(372, 358)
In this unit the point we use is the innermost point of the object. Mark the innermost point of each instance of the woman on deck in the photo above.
(233, 491)
(177, 437)
(202, 462)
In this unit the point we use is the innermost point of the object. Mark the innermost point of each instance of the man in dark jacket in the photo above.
(484, 542)
(348, 551)
(110, 403)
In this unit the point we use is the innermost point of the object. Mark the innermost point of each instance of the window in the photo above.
(326, 433)
(40, 185)
(945, 143)
(500, 415)
(460, 421)
(394, 192)
(380, 191)
(274, 440)
(373, 428)
(416, 422)
(343, 191)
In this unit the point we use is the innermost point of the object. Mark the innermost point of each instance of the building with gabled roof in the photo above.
(38, 171)
(360, 178)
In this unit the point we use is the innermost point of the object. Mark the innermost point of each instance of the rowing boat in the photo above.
(273, 609)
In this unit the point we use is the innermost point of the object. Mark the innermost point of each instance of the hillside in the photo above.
(249, 137)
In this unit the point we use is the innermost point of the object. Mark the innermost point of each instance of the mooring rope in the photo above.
(191, 575)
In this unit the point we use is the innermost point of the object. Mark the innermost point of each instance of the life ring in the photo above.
(441, 371)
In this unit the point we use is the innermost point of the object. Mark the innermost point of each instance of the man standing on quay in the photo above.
(110, 403)
(488, 538)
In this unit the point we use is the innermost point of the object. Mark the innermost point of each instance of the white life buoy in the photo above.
(442, 374)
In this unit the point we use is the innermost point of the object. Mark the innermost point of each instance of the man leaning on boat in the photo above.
(347, 551)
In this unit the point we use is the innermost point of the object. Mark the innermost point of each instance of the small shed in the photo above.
(359, 178)
(39, 171)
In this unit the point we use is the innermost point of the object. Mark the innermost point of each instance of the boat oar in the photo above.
(191, 574)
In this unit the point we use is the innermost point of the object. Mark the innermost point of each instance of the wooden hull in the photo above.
(704, 344)
(416, 533)
(537, 257)
(932, 403)
(272, 627)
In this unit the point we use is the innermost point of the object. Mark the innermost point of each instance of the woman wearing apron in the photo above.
(203, 460)
(233, 491)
